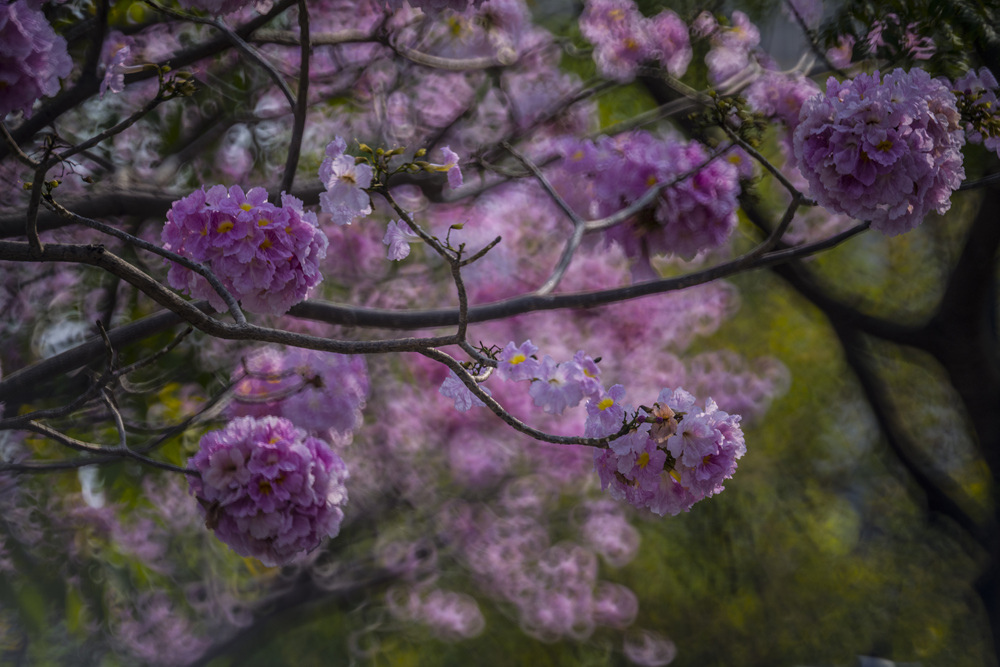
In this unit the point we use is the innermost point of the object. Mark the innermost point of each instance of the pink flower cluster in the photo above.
(623, 38)
(267, 256)
(32, 57)
(886, 149)
(695, 212)
(678, 456)
(317, 391)
(267, 489)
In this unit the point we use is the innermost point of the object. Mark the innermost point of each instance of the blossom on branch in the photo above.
(679, 455)
(345, 181)
(455, 389)
(266, 256)
(398, 237)
(882, 149)
(114, 75)
(267, 489)
(32, 57)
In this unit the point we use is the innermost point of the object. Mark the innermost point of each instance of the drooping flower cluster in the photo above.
(623, 38)
(317, 391)
(32, 57)
(267, 256)
(679, 455)
(267, 489)
(882, 149)
(980, 107)
(694, 212)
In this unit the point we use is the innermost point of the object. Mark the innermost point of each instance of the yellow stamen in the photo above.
(224, 227)
(643, 460)
(246, 206)
(607, 403)
(518, 359)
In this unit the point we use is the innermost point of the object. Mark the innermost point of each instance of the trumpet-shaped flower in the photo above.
(345, 198)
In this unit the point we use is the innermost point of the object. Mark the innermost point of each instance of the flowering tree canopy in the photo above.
(426, 316)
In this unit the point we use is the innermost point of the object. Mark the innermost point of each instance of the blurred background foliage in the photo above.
(820, 550)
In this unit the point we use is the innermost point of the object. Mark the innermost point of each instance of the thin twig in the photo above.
(302, 106)
(470, 382)
(200, 269)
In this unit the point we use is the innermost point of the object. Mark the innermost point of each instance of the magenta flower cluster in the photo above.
(267, 489)
(623, 38)
(317, 391)
(886, 149)
(32, 57)
(679, 455)
(696, 207)
(267, 256)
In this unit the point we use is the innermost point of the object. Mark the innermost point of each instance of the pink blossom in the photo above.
(345, 198)
(885, 150)
(455, 389)
(398, 237)
(267, 489)
(266, 256)
(667, 470)
(517, 362)
(32, 57)
(114, 75)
